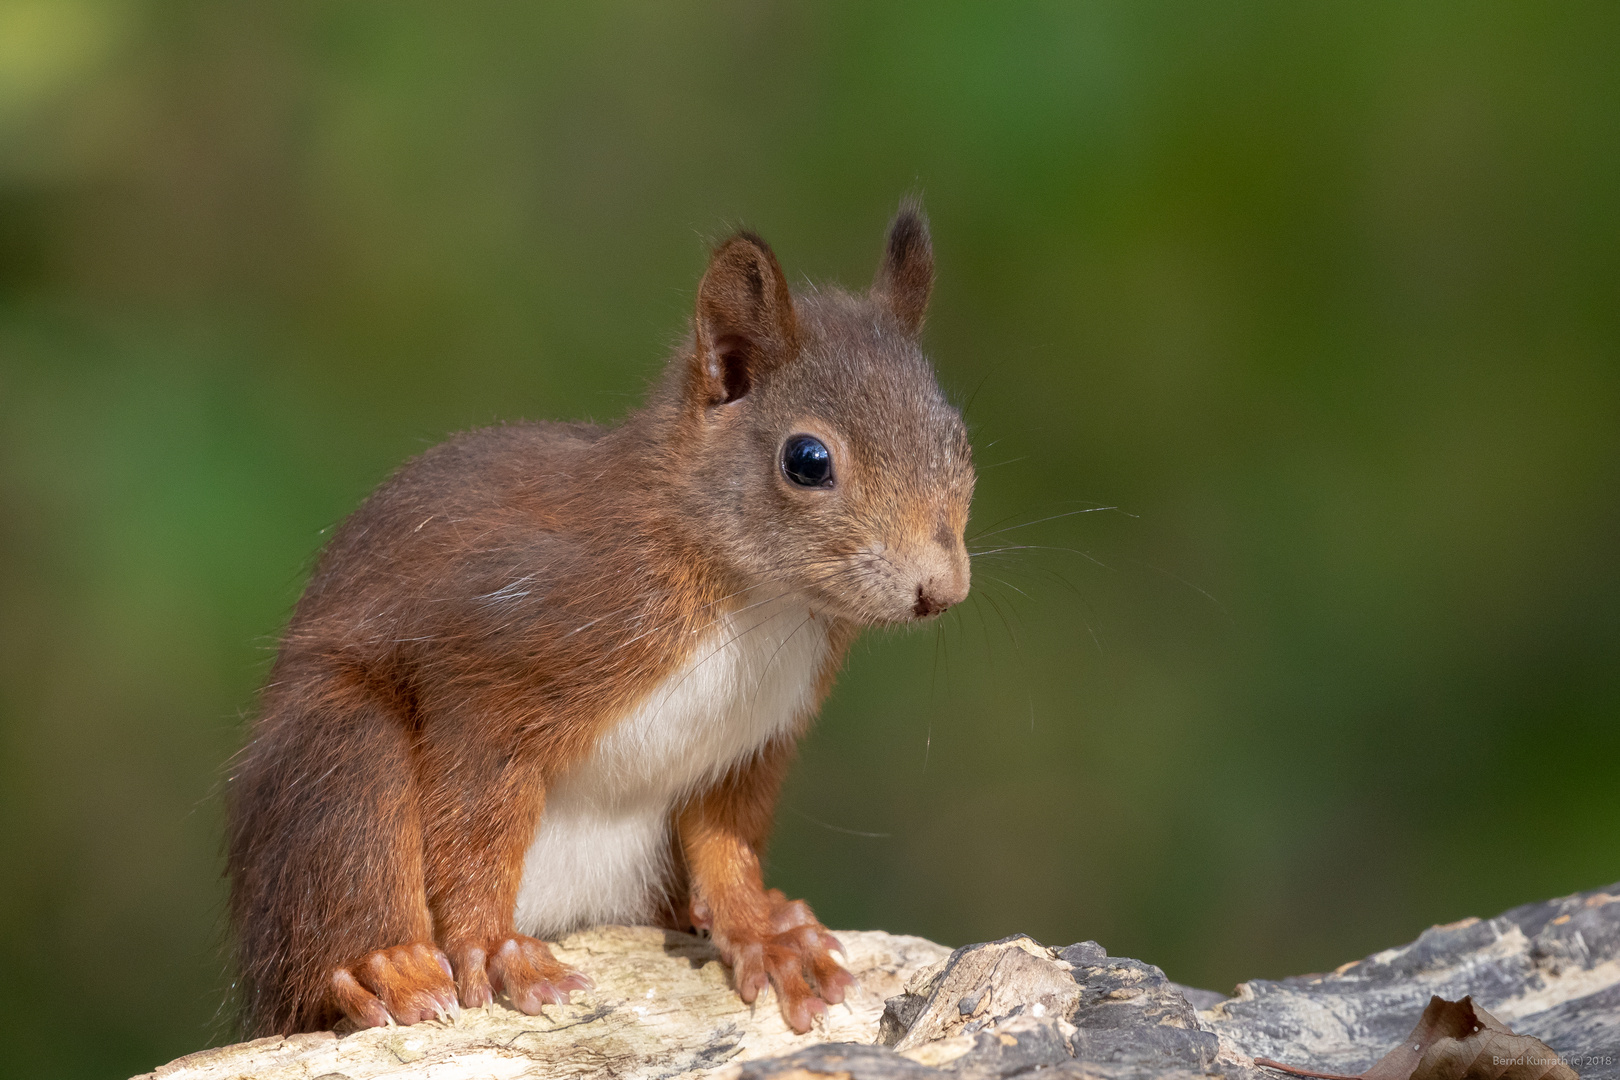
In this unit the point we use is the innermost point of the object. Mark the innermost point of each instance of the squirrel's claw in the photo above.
(528, 974)
(793, 953)
(403, 984)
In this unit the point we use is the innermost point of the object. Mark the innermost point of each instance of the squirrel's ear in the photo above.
(907, 275)
(745, 323)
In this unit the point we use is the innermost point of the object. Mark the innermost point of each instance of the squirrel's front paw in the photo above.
(404, 984)
(785, 946)
(518, 966)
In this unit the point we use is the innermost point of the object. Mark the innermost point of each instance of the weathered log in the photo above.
(663, 1008)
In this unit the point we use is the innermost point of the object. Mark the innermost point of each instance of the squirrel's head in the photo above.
(823, 456)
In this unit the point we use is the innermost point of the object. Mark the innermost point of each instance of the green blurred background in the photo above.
(1322, 297)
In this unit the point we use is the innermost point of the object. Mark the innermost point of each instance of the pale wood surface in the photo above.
(663, 1007)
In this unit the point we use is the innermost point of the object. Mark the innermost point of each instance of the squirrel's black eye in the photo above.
(807, 461)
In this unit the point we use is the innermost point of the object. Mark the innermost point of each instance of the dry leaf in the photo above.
(1456, 1040)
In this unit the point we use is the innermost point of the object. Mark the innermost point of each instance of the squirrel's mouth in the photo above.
(877, 585)
(889, 607)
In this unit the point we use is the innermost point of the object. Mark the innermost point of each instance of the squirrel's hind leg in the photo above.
(484, 803)
(327, 895)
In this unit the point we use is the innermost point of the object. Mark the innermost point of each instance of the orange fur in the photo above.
(492, 610)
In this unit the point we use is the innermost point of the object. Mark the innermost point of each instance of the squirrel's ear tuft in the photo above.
(906, 276)
(745, 324)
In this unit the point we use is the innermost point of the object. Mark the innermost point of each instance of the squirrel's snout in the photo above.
(940, 591)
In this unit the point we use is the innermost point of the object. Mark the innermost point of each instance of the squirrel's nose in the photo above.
(941, 591)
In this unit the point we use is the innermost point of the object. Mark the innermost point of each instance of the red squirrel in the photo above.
(551, 675)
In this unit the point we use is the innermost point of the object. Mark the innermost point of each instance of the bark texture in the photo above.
(663, 1008)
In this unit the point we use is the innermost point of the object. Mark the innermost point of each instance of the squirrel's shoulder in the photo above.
(470, 508)
(498, 462)
(481, 481)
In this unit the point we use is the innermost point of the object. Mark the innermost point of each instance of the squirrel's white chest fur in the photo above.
(601, 852)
